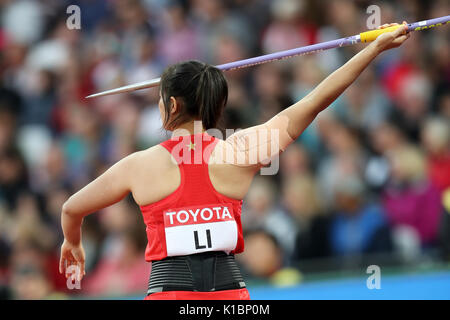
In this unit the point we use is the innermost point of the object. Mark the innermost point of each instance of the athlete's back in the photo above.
(156, 175)
(193, 231)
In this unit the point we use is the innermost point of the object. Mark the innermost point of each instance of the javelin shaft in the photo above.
(329, 44)
(362, 37)
(131, 87)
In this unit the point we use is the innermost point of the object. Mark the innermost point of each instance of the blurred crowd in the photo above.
(371, 175)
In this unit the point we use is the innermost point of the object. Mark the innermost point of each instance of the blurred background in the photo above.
(368, 183)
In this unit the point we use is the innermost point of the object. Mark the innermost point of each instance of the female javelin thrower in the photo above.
(189, 188)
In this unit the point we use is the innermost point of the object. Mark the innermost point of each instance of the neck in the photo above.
(188, 128)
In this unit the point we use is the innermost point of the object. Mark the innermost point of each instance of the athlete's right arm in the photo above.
(269, 139)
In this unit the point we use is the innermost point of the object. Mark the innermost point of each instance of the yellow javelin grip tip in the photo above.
(369, 36)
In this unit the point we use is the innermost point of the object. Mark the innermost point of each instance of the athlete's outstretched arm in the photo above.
(110, 187)
(302, 113)
(267, 140)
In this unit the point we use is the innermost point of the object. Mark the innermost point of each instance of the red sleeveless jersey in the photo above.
(195, 217)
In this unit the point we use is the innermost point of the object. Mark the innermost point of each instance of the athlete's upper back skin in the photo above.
(156, 175)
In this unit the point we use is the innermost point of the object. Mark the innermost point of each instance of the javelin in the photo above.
(367, 36)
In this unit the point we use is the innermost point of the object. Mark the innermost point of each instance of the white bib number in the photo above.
(199, 229)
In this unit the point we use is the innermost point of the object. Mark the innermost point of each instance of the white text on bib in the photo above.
(198, 229)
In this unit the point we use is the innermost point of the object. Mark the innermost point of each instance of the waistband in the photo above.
(204, 272)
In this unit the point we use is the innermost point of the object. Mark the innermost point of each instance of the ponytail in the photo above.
(211, 96)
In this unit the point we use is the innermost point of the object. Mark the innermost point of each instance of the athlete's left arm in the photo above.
(110, 187)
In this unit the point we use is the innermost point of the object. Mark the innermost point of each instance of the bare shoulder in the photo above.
(227, 173)
(154, 161)
(155, 154)
(154, 174)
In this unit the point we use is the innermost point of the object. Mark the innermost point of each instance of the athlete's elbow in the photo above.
(68, 209)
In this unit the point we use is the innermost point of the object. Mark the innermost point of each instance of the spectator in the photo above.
(358, 226)
(300, 201)
(261, 213)
(10, 107)
(409, 198)
(13, 176)
(444, 230)
(121, 272)
(180, 40)
(262, 256)
(436, 142)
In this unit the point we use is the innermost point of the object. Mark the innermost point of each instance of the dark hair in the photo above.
(200, 89)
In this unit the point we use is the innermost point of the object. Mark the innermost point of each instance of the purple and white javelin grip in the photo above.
(362, 37)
